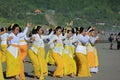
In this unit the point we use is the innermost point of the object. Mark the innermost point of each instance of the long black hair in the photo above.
(57, 28)
(13, 26)
(49, 31)
(89, 29)
(36, 29)
(81, 29)
(2, 29)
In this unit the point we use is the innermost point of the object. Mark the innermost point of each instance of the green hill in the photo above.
(60, 12)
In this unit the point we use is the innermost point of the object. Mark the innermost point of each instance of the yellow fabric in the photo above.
(44, 63)
(91, 59)
(60, 45)
(39, 63)
(23, 50)
(22, 40)
(1, 72)
(13, 65)
(82, 65)
(96, 57)
(59, 65)
(69, 62)
(91, 56)
(49, 57)
(35, 46)
(3, 52)
(14, 45)
(73, 51)
(69, 65)
(34, 58)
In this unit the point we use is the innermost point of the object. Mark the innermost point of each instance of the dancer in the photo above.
(92, 52)
(4, 37)
(37, 53)
(57, 52)
(14, 63)
(70, 64)
(81, 54)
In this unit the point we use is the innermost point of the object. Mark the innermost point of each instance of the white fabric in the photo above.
(68, 42)
(68, 52)
(93, 39)
(23, 40)
(35, 50)
(57, 49)
(74, 36)
(39, 41)
(4, 38)
(15, 41)
(94, 69)
(22, 43)
(81, 49)
(13, 50)
(83, 39)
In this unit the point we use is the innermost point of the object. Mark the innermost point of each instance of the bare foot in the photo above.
(72, 75)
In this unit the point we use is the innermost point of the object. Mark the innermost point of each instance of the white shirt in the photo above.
(16, 38)
(4, 38)
(59, 40)
(23, 40)
(82, 41)
(93, 39)
(39, 41)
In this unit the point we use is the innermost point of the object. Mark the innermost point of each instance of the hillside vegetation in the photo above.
(59, 12)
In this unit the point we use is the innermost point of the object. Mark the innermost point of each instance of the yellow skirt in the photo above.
(12, 65)
(69, 65)
(59, 65)
(82, 65)
(44, 63)
(91, 59)
(96, 57)
(39, 63)
(73, 50)
(3, 52)
(1, 72)
(49, 57)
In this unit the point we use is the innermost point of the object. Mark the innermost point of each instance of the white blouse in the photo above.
(39, 41)
(4, 38)
(23, 40)
(83, 39)
(58, 45)
(93, 39)
(15, 41)
(82, 42)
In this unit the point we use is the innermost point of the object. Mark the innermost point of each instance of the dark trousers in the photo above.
(118, 45)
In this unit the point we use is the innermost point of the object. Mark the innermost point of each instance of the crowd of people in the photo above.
(71, 50)
(114, 37)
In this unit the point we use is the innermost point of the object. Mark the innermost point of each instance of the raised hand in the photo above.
(29, 25)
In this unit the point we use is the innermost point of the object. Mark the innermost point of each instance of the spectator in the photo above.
(111, 38)
(118, 41)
